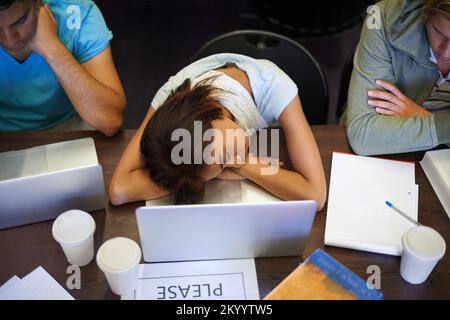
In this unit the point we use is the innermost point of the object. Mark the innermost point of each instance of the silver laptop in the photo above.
(225, 231)
(39, 183)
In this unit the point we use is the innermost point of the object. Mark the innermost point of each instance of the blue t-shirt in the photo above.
(31, 97)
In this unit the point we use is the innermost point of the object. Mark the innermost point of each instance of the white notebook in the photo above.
(436, 165)
(357, 216)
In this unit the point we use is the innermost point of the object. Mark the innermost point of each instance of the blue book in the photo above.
(321, 277)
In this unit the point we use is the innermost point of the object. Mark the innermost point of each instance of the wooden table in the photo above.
(22, 249)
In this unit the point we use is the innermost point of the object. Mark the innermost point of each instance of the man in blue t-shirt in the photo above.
(56, 68)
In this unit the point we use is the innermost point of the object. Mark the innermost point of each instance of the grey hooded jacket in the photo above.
(396, 50)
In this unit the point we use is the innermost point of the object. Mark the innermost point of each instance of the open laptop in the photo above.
(225, 231)
(39, 183)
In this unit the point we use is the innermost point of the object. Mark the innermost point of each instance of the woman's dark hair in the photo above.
(5, 4)
(184, 106)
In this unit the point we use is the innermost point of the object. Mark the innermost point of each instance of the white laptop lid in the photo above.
(47, 158)
(224, 231)
(39, 183)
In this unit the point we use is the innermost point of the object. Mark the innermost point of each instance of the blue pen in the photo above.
(390, 205)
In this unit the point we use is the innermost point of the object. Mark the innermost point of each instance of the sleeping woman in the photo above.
(219, 94)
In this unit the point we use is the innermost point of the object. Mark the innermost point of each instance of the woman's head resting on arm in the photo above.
(187, 111)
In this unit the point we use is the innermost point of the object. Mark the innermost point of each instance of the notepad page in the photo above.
(8, 284)
(357, 216)
(37, 285)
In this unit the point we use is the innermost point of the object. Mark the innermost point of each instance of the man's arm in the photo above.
(94, 88)
(371, 132)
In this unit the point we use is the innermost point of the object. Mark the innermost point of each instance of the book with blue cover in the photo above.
(321, 277)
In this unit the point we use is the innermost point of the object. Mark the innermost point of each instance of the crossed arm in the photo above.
(381, 119)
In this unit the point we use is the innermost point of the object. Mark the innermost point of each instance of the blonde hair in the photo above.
(440, 7)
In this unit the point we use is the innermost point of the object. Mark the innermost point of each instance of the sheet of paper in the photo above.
(357, 216)
(8, 284)
(441, 160)
(202, 280)
(37, 285)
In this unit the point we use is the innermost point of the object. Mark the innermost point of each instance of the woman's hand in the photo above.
(394, 102)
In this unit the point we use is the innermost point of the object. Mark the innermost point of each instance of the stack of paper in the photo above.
(38, 285)
(203, 280)
(357, 216)
(436, 165)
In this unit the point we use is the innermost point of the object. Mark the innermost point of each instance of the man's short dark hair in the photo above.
(5, 4)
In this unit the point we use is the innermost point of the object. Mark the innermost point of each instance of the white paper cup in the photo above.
(119, 259)
(423, 247)
(74, 231)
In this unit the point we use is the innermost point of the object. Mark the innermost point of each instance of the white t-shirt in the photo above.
(272, 89)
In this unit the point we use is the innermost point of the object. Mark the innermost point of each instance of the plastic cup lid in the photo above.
(425, 243)
(73, 227)
(118, 255)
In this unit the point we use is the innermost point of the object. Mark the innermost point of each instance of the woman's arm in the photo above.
(307, 182)
(131, 181)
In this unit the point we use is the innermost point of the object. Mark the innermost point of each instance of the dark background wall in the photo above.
(153, 39)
